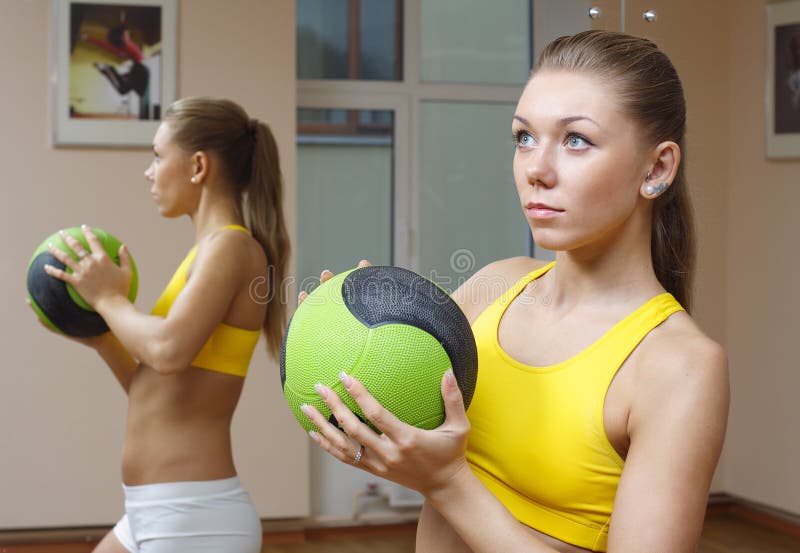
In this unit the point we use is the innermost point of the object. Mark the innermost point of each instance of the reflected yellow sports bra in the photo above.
(228, 349)
(538, 441)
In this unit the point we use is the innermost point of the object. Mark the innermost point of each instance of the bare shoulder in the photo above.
(681, 344)
(682, 369)
(490, 282)
(230, 255)
(676, 424)
(232, 246)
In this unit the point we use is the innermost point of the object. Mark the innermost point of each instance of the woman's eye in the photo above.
(577, 142)
(523, 139)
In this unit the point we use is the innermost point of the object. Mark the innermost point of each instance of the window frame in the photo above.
(405, 97)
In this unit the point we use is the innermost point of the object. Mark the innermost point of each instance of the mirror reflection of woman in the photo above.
(184, 364)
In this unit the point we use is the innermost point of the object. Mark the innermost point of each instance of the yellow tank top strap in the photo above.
(491, 315)
(178, 280)
(175, 285)
(238, 227)
(618, 343)
(229, 349)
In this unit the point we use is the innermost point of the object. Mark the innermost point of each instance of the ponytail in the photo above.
(249, 157)
(672, 243)
(263, 202)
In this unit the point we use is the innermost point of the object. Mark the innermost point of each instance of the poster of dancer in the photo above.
(783, 80)
(115, 70)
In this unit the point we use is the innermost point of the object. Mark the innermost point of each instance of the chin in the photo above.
(548, 239)
(556, 241)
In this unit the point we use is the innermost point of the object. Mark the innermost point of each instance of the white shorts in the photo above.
(213, 515)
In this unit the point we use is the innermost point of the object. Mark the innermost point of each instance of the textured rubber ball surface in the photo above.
(394, 330)
(56, 303)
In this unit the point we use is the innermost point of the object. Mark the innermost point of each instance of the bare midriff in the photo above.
(178, 426)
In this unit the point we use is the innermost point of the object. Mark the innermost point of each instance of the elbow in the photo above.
(165, 357)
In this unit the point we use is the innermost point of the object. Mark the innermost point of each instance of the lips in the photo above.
(537, 210)
(535, 205)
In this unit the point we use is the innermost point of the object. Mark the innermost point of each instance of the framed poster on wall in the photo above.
(114, 70)
(783, 80)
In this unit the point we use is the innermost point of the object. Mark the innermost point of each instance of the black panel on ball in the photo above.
(381, 295)
(52, 297)
(283, 353)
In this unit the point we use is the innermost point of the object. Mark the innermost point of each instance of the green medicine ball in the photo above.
(394, 330)
(56, 303)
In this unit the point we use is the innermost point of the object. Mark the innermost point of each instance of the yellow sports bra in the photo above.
(228, 349)
(538, 441)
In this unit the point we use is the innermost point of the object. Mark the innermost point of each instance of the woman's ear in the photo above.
(199, 167)
(667, 159)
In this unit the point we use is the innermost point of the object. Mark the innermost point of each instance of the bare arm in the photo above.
(677, 424)
(662, 494)
(676, 427)
(167, 344)
(435, 532)
(430, 461)
(121, 363)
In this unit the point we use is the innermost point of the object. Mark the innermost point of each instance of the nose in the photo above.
(148, 173)
(539, 167)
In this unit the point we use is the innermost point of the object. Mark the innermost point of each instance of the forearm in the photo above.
(121, 363)
(484, 524)
(138, 333)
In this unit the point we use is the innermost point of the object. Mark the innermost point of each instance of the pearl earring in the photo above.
(651, 190)
(193, 180)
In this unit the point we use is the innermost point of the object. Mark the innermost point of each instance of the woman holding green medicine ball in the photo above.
(56, 303)
(600, 407)
(183, 365)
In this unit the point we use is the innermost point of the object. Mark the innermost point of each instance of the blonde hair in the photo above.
(650, 92)
(249, 155)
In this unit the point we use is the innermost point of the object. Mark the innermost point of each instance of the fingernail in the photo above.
(50, 245)
(345, 378)
(448, 374)
(84, 227)
(304, 409)
(314, 435)
(323, 393)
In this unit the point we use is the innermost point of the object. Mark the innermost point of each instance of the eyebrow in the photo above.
(563, 121)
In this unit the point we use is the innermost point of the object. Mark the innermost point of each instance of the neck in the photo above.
(214, 212)
(616, 270)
